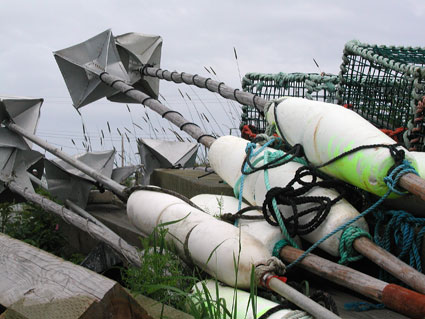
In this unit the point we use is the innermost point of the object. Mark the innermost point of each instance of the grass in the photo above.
(165, 278)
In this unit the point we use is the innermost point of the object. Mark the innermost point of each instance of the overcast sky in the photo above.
(269, 36)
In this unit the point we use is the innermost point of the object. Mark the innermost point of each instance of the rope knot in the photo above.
(346, 249)
(396, 173)
(270, 267)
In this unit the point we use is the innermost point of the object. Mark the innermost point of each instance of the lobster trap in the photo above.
(319, 87)
(385, 85)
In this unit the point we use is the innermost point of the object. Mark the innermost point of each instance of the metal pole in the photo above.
(99, 232)
(102, 179)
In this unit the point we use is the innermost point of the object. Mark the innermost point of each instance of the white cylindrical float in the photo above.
(244, 303)
(211, 244)
(217, 205)
(327, 130)
(226, 156)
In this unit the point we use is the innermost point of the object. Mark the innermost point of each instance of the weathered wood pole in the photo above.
(395, 297)
(101, 233)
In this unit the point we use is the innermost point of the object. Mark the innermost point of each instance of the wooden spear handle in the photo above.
(390, 263)
(393, 296)
(413, 184)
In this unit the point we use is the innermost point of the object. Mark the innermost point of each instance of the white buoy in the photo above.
(327, 130)
(211, 244)
(217, 205)
(243, 309)
(226, 156)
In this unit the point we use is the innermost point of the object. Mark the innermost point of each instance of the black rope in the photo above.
(156, 72)
(143, 68)
(162, 190)
(271, 311)
(181, 76)
(325, 300)
(236, 98)
(187, 123)
(148, 98)
(171, 75)
(128, 90)
(204, 135)
(231, 218)
(170, 111)
(256, 106)
(218, 88)
(193, 78)
(206, 84)
(318, 296)
(289, 196)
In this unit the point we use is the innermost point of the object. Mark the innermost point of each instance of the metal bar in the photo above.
(101, 233)
(225, 91)
(102, 179)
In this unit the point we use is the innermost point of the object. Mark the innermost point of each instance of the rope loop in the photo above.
(346, 250)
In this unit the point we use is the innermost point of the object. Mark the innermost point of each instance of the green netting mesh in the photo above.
(384, 84)
(272, 86)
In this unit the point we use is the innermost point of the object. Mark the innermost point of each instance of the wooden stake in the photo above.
(393, 296)
(102, 179)
(101, 233)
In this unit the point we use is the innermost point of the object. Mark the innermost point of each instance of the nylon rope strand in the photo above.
(401, 230)
(279, 158)
(391, 180)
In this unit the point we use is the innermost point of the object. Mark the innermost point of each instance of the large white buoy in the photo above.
(226, 156)
(211, 244)
(217, 205)
(243, 309)
(327, 130)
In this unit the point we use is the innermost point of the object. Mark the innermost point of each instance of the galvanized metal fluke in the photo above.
(82, 64)
(135, 51)
(65, 182)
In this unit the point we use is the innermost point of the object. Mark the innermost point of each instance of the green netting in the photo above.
(272, 86)
(384, 84)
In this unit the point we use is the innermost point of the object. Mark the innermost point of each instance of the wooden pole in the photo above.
(101, 233)
(390, 263)
(393, 296)
(102, 179)
(410, 182)
(301, 300)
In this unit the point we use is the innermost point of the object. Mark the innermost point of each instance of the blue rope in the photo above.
(391, 180)
(267, 157)
(400, 231)
(240, 182)
(360, 306)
